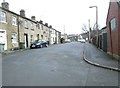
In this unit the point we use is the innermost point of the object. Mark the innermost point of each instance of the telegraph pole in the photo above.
(89, 32)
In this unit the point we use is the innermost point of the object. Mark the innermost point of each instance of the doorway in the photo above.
(26, 40)
(3, 40)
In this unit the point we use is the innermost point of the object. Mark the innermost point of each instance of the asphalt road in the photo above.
(57, 65)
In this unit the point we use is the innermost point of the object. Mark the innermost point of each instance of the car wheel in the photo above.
(41, 46)
(46, 45)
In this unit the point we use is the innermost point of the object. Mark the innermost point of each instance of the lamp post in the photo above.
(96, 22)
(89, 32)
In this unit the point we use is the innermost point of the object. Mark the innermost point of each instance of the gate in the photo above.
(105, 42)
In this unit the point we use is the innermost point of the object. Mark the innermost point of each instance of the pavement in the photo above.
(12, 51)
(96, 57)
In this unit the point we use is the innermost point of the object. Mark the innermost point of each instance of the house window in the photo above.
(14, 38)
(42, 36)
(31, 38)
(53, 39)
(42, 26)
(26, 24)
(32, 26)
(14, 20)
(44, 32)
(113, 24)
(38, 25)
(3, 17)
(50, 30)
(37, 36)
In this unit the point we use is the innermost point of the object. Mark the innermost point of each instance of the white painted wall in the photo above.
(3, 39)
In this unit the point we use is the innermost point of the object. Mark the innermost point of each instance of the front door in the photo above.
(105, 42)
(26, 40)
(3, 41)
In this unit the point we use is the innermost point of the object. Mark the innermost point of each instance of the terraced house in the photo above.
(17, 31)
(113, 28)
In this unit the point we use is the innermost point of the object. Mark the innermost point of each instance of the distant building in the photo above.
(85, 35)
(73, 37)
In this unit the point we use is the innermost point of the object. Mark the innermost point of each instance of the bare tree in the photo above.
(84, 28)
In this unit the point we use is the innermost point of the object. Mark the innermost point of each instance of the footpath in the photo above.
(12, 51)
(95, 56)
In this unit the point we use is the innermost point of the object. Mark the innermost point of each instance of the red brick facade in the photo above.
(113, 37)
(119, 31)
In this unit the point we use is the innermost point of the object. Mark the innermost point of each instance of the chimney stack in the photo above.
(41, 21)
(22, 12)
(46, 24)
(5, 5)
(33, 18)
(50, 26)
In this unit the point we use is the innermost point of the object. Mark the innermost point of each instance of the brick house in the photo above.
(113, 28)
(8, 28)
(15, 29)
(18, 31)
(58, 37)
(46, 32)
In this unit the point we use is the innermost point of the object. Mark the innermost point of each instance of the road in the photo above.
(57, 65)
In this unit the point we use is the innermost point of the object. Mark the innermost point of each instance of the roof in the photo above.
(104, 28)
(117, 1)
(17, 14)
(24, 17)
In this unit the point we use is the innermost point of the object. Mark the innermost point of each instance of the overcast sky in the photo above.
(71, 13)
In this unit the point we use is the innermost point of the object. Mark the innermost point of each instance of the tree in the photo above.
(84, 28)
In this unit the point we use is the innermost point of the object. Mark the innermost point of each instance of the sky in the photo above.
(67, 16)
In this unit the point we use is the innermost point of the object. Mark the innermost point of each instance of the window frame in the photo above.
(112, 24)
(14, 37)
(32, 26)
(26, 24)
(31, 38)
(3, 17)
(14, 20)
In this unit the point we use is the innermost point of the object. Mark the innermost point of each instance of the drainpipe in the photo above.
(111, 41)
(18, 23)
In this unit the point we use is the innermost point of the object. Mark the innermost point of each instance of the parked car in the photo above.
(39, 44)
(82, 40)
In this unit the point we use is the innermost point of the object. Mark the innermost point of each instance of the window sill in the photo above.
(32, 29)
(14, 24)
(3, 22)
(26, 27)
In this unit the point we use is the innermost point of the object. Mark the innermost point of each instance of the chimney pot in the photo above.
(22, 12)
(5, 5)
(41, 21)
(46, 24)
(50, 26)
(33, 17)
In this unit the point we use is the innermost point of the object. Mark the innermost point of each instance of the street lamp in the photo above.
(96, 21)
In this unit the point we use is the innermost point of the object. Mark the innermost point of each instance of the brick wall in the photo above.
(113, 12)
(119, 32)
